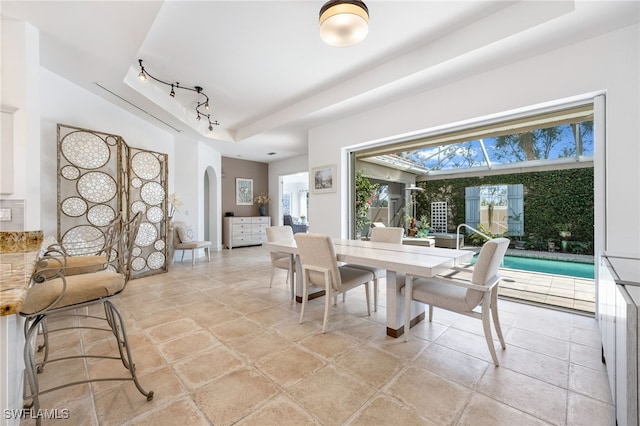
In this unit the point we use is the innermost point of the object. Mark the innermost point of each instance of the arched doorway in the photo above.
(211, 228)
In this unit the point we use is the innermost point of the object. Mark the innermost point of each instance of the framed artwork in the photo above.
(324, 179)
(244, 192)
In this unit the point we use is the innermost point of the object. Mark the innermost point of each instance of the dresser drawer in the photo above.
(236, 220)
(258, 239)
(242, 228)
(242, 240)
(265, 220)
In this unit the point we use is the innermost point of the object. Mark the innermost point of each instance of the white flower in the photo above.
(174, 203)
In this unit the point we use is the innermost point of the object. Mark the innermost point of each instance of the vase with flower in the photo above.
(174, 205)
(262, 201)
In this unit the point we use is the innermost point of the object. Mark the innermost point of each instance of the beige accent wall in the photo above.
(233, 168)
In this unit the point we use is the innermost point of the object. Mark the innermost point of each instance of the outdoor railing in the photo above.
(469, 227)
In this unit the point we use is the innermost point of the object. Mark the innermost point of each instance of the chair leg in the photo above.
(182, 258)
(496, 319)
(193, 257)
(327, 303)
(486, 325)
(430, 313)
(408, 293)
(208, 249)
(304, 298)
(366, 293)
(375, 295)
(114, 319)
(273, 271)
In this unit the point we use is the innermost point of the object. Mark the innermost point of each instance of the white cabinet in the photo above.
(245, 231)
(619, 300)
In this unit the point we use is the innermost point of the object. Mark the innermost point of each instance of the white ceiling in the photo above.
(269, 76)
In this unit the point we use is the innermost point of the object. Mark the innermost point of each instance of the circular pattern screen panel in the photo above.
(97, 187)
(85, 150)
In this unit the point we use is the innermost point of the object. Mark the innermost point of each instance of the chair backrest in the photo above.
(317, 250)
(279, 234)
(387, 235)
(176, 236)
(287, 220)
(486, 267)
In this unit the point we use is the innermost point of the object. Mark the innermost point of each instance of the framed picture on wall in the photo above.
(244, 192)
(324, 179)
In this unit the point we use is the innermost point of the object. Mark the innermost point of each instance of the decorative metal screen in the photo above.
(99, 177)
(439, 216)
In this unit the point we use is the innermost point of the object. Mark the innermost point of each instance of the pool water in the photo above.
(556, 267)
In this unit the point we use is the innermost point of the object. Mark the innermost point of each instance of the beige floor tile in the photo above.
(279, 411)
(483, 411)
(589, 382)
(289, 366)
(189, 344)
(539, 343)
(583, 410)
(331, 395)
(542, 367)
(468, 343)
(181, 412)
(234, 396)
(258, 345)
(438, 399)
(587, 356)
(456, 366)
(327, 345)
(200, 369)
(172, 329)
(369, 364)
(383, 411)
(272, 315)
(524, 393)
(235, 329)
(405, 351)
(117, 404)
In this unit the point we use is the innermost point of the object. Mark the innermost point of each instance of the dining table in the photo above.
(401, 262)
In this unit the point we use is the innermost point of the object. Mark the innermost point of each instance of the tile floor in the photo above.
(218, 346)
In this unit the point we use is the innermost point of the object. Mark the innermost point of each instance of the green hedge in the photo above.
(550, 198)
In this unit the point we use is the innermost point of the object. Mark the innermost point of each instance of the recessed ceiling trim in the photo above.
(137, 107)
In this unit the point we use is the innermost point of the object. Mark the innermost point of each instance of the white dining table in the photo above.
(400, 261)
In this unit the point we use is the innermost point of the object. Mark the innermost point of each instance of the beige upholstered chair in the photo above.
(281, 260)
(51, 294)
(464, 296)
(320, 268)
(183, 239)
(380, 235)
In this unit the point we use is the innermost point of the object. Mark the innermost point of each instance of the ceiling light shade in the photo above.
(344, 23)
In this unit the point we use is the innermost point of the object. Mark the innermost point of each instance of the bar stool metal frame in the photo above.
(118, 269)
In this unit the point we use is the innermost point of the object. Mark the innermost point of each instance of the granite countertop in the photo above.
(15, 274)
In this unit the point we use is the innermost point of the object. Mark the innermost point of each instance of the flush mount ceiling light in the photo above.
(142, 76)
(344, 23)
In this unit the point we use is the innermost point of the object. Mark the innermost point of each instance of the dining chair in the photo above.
(320, 268)
(464, 296)
(184, 239)
(383, 234)
(281, 260)
(52, 295)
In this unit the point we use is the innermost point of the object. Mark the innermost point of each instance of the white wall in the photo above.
(606, 63)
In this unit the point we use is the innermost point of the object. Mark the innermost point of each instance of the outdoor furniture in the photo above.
(464, 296)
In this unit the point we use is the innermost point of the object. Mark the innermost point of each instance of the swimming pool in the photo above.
(556, 267)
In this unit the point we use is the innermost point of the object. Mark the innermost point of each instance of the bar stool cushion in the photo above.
(80, 289)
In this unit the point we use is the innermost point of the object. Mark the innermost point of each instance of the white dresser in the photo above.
(245, 231)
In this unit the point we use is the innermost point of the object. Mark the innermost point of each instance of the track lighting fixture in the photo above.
(142, 76)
